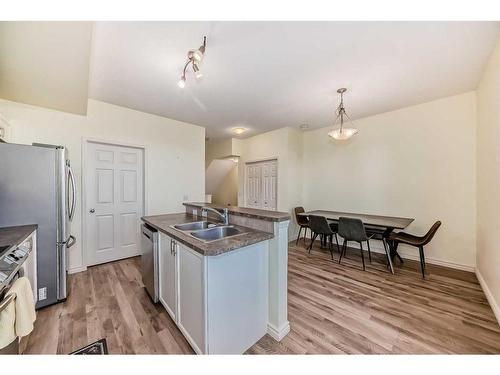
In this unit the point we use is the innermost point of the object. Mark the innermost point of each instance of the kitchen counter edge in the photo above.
(162, 223)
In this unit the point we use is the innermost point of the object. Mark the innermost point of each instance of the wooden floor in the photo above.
(332, 309)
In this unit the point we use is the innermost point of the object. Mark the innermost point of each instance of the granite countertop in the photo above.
(163, 222)
(247, 212)
(14, 236)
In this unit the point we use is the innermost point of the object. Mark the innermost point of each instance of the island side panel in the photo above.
(278, 325)
(237, 299)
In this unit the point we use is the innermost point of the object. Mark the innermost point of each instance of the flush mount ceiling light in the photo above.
(239, 131)
(342, 133)
(194, 59)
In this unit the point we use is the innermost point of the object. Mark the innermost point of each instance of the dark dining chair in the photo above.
(353, 230)
(302, 221)
(412, 240)
(319, 227)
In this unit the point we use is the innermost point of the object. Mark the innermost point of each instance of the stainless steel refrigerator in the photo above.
(37, 186)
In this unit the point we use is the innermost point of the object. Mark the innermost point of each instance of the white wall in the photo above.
(221, 173)
(284, 144)
(488, 181)
(415, 162)
(175, 151)
(227, 191)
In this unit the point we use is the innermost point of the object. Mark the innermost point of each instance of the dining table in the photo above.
(382, 224)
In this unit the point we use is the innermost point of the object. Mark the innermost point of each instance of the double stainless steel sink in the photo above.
(207, 231)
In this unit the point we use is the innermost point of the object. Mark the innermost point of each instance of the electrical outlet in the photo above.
(42, 293)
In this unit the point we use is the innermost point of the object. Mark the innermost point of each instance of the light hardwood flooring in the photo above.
(332, 309)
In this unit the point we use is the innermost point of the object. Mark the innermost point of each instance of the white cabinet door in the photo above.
(168, 275)
(192, 305)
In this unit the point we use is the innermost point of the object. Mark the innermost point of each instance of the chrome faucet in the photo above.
(224, 215)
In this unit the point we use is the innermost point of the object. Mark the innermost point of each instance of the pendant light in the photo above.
(342, 133)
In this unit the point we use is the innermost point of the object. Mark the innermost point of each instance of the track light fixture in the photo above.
(194, 59)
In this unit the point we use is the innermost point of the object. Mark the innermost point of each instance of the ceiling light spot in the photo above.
(239, 131)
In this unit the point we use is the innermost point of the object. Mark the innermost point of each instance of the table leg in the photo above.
(387, 248)
(389, 260)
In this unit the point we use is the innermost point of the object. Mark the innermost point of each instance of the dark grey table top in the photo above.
(373, 220)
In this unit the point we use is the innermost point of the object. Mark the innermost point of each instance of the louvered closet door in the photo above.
(261, 185)
(269, 183)
(114, 202)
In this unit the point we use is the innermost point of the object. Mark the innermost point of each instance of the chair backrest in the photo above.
(319, 225)
(430, 234)
(352, 229)
(300, 219)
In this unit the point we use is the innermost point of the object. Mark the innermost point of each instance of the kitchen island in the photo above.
(219, 292)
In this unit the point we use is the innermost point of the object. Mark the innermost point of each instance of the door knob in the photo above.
(92, 211)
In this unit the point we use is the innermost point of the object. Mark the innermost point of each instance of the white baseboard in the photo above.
(77, 269)
(278, 334)
(489, 296)
(377, 247)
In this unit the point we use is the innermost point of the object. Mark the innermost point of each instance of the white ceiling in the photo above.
(266, 75)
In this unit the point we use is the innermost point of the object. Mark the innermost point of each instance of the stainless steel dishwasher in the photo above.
(149, 259)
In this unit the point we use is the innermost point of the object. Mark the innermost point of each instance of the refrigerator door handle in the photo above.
(71, 241)
(73, 191)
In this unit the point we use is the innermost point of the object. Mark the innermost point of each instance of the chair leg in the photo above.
(362, 256)
(298, 236)
(337, 241)
(389, 260)
(422, 260)
(396, 252)
(369, 251)
(343, 250)
(330, 245)
(312, 242)
(305, 234)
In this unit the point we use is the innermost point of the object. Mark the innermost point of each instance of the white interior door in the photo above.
(261, 185)
(253, 177)
(269, 182)
(114, 183)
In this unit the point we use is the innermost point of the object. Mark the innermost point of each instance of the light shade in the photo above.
(343, 134)
(198, 55)
(182, 83)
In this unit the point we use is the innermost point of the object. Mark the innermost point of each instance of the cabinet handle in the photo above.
(171, 244)
(175, 251)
